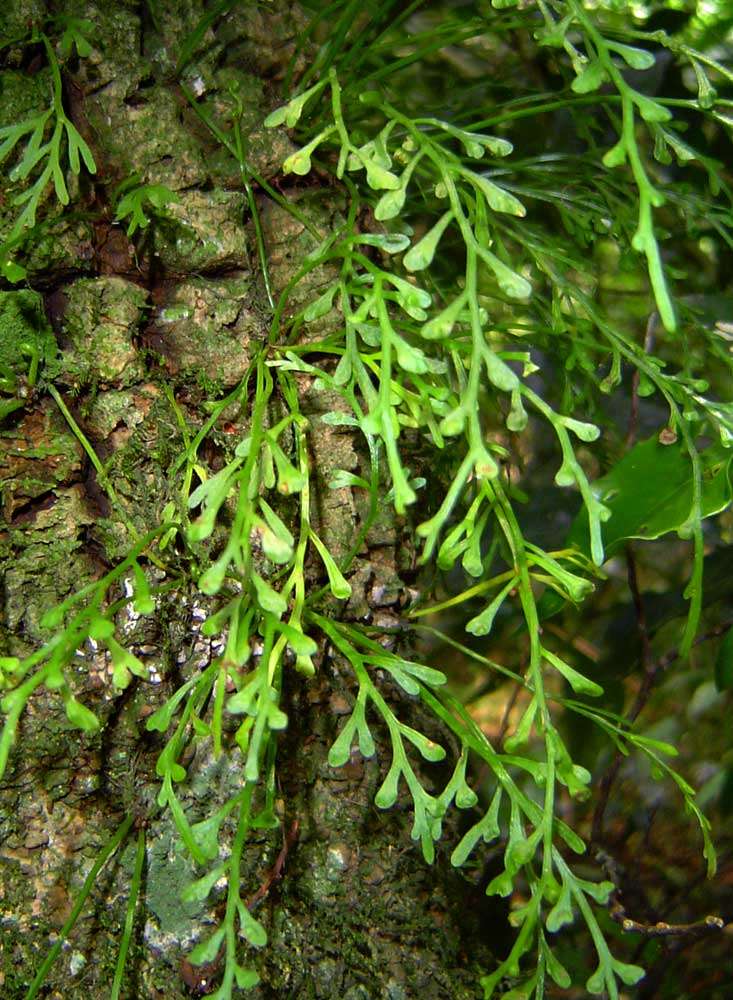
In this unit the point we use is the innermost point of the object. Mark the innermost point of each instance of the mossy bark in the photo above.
(146, 332)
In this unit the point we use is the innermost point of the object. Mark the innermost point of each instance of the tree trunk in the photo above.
(149, 329)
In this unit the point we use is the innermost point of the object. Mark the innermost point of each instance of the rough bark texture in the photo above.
(357, 914)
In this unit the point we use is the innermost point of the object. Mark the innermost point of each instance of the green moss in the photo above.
(206, 330)
(26, 339)
(22, 94)
(169, 872)
(203, 231)
(138, 139)
(101, 319)
(39, 578)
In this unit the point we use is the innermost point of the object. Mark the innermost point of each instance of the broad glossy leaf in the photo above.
(649, 493)
(13, 273)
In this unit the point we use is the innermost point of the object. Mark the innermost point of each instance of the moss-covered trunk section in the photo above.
(111, 358)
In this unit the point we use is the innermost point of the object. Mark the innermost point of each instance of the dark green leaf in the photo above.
(650, 491)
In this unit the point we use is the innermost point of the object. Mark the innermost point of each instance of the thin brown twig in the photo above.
(712, 633)
(275, 873)
(699, 928)
(660, 928)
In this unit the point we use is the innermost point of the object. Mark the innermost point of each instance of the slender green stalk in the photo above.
(102, 858)
(87, 446)
(129, 914)
(253, 211)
